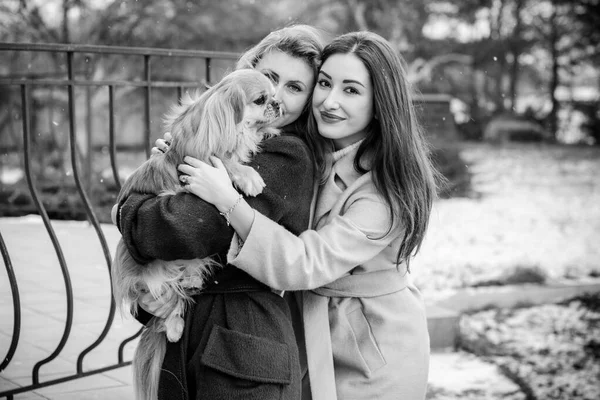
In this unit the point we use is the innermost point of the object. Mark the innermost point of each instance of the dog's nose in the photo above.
(275, 105)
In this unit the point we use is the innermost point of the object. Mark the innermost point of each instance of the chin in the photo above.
(330, 132)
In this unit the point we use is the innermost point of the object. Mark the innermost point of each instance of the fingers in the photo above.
(162, 145)
(194, 162)
(192, 165)
(186, 169)
(216, 162)
(155, 151)
(185, 179)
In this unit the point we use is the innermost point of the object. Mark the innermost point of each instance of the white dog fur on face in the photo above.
(229, 121)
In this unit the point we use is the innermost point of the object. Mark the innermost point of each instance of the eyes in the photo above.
(295, 88)
(261, 100)
(326, 84)
(291, 86)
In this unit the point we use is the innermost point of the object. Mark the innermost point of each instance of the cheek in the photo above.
(295, 103)
(318, 97)
(365, 111)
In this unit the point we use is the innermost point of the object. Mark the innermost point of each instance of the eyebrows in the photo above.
(344, 81)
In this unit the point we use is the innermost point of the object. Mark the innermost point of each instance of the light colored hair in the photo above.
(303, 42)
(395, 145)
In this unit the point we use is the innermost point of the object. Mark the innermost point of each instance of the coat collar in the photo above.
(342, 165)
(340, 176)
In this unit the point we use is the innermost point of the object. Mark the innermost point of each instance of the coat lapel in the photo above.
(342, 174)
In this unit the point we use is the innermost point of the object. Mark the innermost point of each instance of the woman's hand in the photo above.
(210, 183)
(162, 145)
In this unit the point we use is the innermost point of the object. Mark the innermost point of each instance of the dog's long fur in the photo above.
(228, 120)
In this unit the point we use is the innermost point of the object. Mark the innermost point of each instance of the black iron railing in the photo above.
(25, 84)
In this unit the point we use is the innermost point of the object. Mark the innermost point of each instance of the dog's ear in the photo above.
(237, 102)
(184, 122)
(223, 111)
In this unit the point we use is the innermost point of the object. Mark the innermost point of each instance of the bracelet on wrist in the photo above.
(228, 212)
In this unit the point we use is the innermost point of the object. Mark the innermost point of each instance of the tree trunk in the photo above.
(356, 10)
(554, 79)
(516, 52)
(65, 22)
(497, 72)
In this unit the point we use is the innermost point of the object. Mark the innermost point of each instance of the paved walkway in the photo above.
(43, 310)
(43, 313)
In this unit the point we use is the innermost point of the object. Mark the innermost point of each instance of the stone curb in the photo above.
(444, 309)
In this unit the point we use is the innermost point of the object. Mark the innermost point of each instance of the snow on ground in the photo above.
(533, 206)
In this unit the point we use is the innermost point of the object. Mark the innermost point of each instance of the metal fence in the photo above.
(26, 84)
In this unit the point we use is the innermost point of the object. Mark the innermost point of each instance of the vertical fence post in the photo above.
(88, 126)
(147, 74)
(207, 70)
(111, 136)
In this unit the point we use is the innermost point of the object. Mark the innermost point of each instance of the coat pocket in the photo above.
(243, 366)
(365, 340)
(248, 357)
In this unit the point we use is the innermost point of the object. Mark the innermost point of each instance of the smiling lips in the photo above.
(330, 118)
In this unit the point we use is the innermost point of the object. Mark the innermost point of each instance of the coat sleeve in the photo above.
(183, 226)
(284, 261)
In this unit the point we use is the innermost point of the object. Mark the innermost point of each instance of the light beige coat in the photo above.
(378, 329)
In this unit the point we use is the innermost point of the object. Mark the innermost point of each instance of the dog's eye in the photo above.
(261, 100)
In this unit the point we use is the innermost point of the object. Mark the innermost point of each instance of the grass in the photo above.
(531, 207)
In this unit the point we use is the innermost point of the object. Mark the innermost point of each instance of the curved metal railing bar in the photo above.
(88, 208)
(124, 343)
(40, 207)
(147, 108)
(112, 143)
(14, 288)
(115, 172)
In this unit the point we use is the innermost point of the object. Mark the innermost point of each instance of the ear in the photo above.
(186, 119)
(237, 102)
(221, 115)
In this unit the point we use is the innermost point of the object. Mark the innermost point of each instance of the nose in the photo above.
(278, 93)
(331, 101)
(275, 106)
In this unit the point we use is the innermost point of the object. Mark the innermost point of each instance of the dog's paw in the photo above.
(269, 132)
(174, 328)
(249, 181)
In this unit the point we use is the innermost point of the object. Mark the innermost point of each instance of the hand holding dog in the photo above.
(161, 145)
(210, 183)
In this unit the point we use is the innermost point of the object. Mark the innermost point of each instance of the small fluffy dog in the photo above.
(229, 121)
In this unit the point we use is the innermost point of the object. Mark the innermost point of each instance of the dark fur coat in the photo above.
(238, 340)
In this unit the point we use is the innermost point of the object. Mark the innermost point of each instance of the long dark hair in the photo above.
(394, 147)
